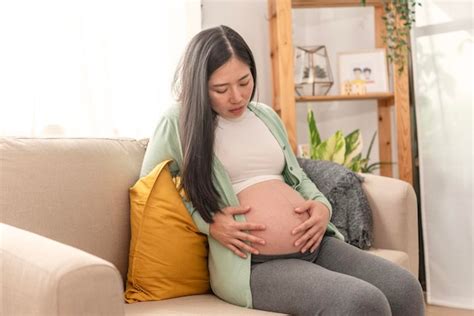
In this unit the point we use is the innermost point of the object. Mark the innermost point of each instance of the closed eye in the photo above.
(244, 84)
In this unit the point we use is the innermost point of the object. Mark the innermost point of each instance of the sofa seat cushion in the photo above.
(205, 304)
(398, 257)
(209, 304)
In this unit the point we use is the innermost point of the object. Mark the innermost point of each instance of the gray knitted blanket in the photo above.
(342, 187)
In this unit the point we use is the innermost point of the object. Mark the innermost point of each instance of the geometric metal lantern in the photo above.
(313, 75)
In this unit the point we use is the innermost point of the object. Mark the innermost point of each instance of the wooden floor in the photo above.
(434, 310)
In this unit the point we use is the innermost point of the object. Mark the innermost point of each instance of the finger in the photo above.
(236, 251)
(251, 238)
(300, 209)
(246, 247)
(304, 226)
(249, 226)
(303, 207)
(311, 241)
(233, 210)
(306, 236)
(317, 243)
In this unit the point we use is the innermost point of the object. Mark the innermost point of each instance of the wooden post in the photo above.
(383, 109)
(385, 137)
(281, 45)
(402, 111)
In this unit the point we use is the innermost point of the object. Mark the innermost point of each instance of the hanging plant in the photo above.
(399, 16)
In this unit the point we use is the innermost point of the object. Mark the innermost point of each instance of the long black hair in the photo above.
(206, 52)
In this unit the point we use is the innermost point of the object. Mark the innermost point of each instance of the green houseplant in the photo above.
(399, 16)
(344, 150)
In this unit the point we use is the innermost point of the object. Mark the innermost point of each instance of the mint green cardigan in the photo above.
(229, 274)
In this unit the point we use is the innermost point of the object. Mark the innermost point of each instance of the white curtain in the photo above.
(89, 68)
(443, 53)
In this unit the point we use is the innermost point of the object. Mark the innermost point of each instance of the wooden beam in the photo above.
(383, 109)
(273, 53)
(385, 137)
(332, 3)
(281, 45)
(324, 98)
(402, 112)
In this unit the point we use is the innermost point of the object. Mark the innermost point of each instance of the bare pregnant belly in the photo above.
(272, 203)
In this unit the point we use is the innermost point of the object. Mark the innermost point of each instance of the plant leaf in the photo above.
(370, 146)
(314, 137)
(333, 148)
(353, 145)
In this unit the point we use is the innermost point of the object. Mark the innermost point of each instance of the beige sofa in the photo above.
(65, 233)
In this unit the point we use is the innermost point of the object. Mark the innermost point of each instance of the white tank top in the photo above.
(248, 150)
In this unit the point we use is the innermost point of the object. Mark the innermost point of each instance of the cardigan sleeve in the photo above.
(164, 145)
(160, 147)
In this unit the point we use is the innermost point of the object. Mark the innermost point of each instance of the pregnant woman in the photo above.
(271, 244)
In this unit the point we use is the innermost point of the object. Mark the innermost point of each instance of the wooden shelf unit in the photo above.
(284, 100)
(323, 98)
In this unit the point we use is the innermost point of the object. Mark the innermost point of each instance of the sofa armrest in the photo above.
(41, 276)
(395, 216)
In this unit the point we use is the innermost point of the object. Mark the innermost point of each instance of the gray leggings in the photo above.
(337, 279)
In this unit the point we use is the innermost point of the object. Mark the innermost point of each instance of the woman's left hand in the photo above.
(314, 227)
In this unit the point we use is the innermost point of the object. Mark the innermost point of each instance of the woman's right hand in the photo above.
(231, 233)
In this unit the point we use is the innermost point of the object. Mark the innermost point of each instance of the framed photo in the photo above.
(362, 72)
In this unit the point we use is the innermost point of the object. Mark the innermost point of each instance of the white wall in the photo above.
(341, 29)
(249, 19)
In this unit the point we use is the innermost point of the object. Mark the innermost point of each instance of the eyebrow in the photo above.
(225, 84)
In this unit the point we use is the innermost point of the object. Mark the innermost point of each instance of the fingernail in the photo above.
(297, 209)
(263, 242)
(256, 252)
(293, 232)
(312, 250)
(297, 243)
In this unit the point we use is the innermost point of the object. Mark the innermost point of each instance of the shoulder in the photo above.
(168, 117)
(266, 113)
(171, 112)
(263, 109)
(259, 106)
(167, 122)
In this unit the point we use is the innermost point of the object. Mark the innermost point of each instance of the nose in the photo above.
(235, 95)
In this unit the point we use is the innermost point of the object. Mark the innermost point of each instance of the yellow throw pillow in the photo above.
(168, 254)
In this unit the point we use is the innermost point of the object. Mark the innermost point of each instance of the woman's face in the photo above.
(230, 88)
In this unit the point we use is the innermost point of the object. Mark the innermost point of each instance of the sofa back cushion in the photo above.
(72, 190)
(168, 254)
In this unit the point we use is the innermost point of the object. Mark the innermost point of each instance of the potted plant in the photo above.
(344, 150)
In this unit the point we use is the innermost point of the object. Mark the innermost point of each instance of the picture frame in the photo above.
(362, 72)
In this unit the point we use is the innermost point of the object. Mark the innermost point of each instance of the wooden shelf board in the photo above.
(368, 96)
(295, 4)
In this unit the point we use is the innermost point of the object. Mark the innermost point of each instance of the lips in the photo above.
(236, 109)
